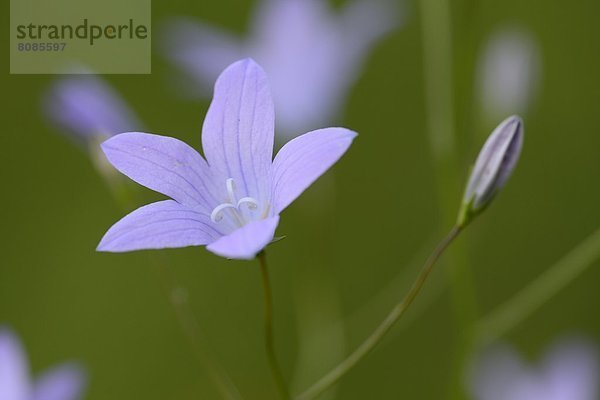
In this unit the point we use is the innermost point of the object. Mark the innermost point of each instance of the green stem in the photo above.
(274, 365)
(533, 296)
(178, 300)
(437, 63)
(395, 314)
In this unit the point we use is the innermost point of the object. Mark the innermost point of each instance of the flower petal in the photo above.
(165, 224)
(302, 160)
(14, 371)
(65, 382)
(498, 373)
(237, 135)
(246, 242)
(572, 368)
(200, 50)
(163, 164)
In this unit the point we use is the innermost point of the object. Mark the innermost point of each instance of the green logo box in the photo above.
(80, 36)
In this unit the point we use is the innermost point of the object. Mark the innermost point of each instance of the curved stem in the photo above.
(369, 344)
(530, 298)
(273, 364)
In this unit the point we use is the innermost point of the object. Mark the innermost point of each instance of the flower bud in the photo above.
(494, 165)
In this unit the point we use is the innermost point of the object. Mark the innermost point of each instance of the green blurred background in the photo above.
(369, 220)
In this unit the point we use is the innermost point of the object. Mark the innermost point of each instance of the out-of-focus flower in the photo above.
(493, 167)
(570, 370)
(231, 202)
(89, 111)
(65, 382)
(311, 53)
(508, 73)
(86, 107)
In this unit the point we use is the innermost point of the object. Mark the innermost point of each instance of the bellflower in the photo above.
(570, 370)
(493, 167)
(311, 53)
(86, 107)
(231, 201)
(89, 111)
(65, 382)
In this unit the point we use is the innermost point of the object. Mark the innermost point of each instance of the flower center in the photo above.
(234, 207)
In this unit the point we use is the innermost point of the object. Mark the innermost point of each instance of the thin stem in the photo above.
(369, 344)
(270, 348)
(188, 323)
(436, 25)
(437, 64)
(533, 296)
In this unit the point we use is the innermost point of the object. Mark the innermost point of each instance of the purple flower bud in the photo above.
(494, 165)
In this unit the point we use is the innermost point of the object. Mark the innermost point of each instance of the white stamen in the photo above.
(230, 190)
(252, 203)
(217, 215)
(233, 205)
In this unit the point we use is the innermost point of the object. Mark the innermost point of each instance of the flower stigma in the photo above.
(234, 206)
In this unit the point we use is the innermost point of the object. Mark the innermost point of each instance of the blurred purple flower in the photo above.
(312, 55)
(231, 202)
(86, 107)
(508, 72)
(570, 370)
(65, 382)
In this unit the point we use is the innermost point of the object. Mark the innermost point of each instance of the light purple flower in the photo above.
(65, 382)
(570, 370)
(311, 53)
(86, 107)
(231, 202)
